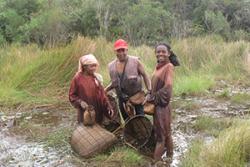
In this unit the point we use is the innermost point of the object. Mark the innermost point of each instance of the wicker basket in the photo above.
(139, 134)
(90, 140)
(137, 131)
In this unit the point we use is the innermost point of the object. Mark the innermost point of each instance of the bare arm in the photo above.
(145, 76)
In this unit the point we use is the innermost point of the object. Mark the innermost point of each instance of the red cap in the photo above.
(120, 44)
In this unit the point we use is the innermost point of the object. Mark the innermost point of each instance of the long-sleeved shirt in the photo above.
(87, 88)
(162, 83)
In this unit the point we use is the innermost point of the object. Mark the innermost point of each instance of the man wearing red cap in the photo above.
(126, 73)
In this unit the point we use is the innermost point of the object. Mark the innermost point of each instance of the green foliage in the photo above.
(2, 40)
(152, 22)
(217, 23)
(55, 22)
(15, 14)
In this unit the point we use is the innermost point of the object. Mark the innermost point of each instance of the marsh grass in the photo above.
(231, 148)
(212, 126)
(33, 75)
(59, 139)
(124, 156)
(241, 98)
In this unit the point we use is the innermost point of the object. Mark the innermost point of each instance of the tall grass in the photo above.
(29, 74)
(231, 149)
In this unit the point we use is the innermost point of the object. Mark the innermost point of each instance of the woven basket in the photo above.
(89, 116)
(90, 140)
(137, 131)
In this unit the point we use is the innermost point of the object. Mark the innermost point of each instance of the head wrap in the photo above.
(87, 60)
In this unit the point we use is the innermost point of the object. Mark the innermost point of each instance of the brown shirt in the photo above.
(88, 89)
(162, 82)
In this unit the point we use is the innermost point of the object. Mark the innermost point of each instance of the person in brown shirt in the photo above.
(86, 89)
(162, 85)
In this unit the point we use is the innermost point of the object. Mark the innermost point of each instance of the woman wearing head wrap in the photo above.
(86, 89)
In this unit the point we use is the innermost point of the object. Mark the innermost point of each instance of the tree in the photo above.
(147, 22)
(14, 14)
(216, 23)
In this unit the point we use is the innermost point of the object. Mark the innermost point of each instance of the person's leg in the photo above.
(159, 150)
(139, 109)
(160, 138)
(169, 140)
(123, 112)
(169, 145)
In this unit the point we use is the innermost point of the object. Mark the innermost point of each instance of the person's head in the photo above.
(121, 49)
(88, 64)
(162, 52)
(90, 69)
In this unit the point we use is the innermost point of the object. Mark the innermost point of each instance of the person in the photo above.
(126, 73)
(162, 85)
(86, 90)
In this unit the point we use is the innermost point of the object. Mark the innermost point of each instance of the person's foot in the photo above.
(167, 157)
(161, 164)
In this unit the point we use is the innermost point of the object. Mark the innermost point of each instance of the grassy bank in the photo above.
(32, 75)
(231, 148)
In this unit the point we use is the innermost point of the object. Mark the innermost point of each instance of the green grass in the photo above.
(59, 139)
(241, 98)
(33, 75)
(225, 94)
(123, 156)
(212, 126)
(193, 84)
(186, 105)
(191, 158)
(230, 149)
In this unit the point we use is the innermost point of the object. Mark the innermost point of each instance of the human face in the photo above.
(90, 69)
(121, 54)
(162, 53)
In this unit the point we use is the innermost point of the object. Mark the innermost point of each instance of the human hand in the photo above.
(149, 98)
(84, 105)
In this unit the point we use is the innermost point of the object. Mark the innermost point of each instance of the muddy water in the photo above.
(16, 151)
